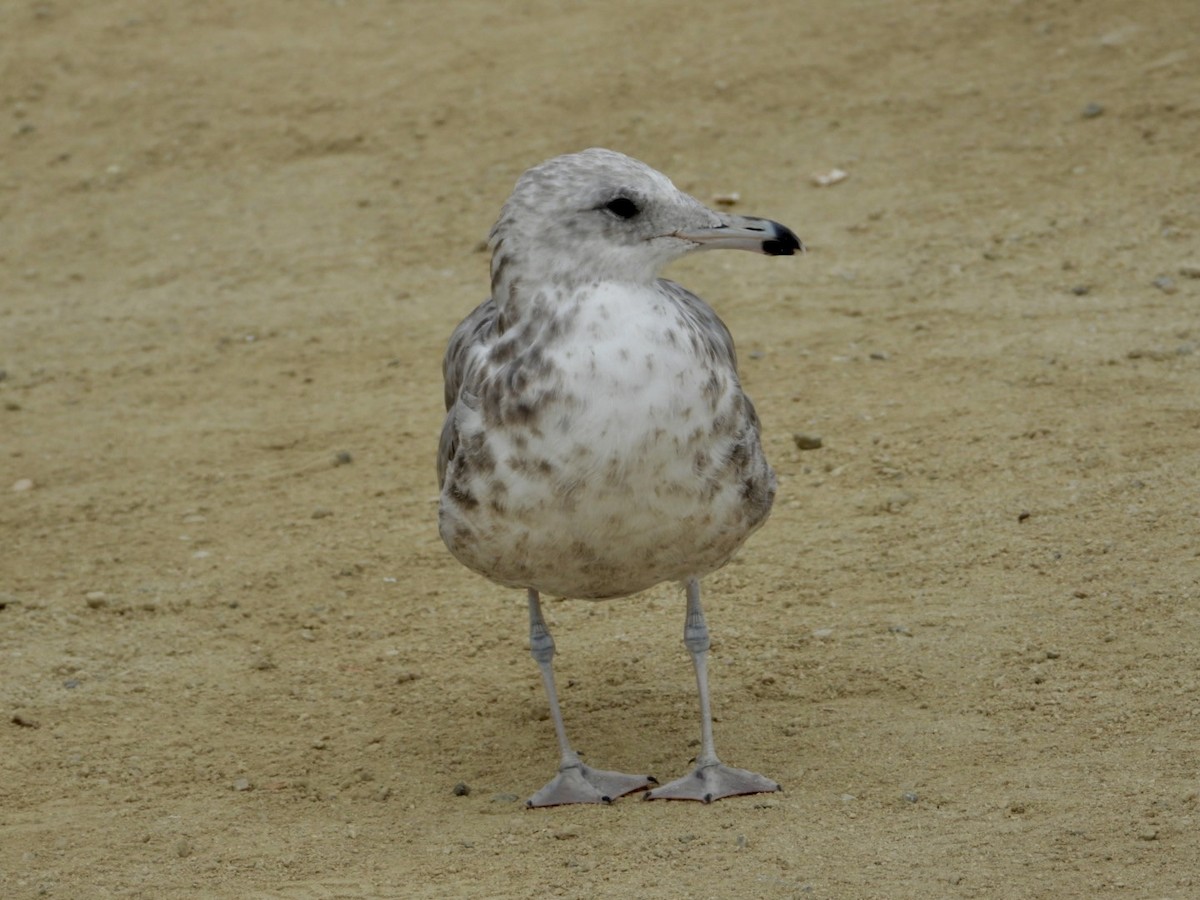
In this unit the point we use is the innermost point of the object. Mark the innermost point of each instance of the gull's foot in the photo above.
(583, 784)
(712, 782)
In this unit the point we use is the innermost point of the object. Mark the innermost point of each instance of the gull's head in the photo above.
(602, 216)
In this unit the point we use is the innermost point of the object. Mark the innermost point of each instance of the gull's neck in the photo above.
(525, 285)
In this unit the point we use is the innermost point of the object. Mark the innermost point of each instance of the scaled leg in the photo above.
(711, 779)
(575, 782)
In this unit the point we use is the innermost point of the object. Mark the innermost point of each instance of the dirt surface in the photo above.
(235, 659)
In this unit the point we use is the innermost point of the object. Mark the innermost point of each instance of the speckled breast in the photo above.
(604, 461)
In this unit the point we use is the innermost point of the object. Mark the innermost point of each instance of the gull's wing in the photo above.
(475, 330)
(716, 337)
(709, 327)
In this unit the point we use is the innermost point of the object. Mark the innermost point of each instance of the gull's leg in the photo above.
(575, 782)
(711, 780)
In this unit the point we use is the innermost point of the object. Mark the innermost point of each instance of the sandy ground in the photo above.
(235, 659)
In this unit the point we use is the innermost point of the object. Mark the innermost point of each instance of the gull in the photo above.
(597, 441)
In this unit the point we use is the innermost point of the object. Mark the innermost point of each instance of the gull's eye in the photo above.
(622, 207)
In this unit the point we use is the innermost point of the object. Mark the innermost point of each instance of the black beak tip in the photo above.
(783, 243)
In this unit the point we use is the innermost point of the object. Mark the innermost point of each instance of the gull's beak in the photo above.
(744, 233)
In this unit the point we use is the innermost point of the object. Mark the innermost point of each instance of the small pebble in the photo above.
(903, 630)
(183, 849)
(343, 458)
(461, 789)
(322, 513)
(1148, 834)
(830, 178)
(1166, 284)
(242, 784)
(1187, 270)
(910, 797)
(1081, 290)
(822, 633)
(23, 484)
(1156, 354)
(807, 441)
(23, 722)
(96, 599)
(1092, 110)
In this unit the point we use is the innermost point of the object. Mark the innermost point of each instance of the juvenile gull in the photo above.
(597, 440)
